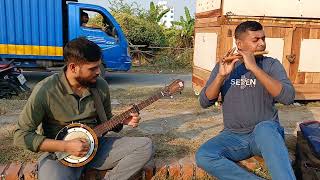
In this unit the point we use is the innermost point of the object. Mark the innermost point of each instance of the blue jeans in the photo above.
(218, 155)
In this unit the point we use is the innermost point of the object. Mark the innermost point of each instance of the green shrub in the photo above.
(174, 59)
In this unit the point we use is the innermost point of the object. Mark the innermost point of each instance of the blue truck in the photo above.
(33, 33)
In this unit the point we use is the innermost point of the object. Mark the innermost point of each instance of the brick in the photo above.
(93, 174)
(251, 163)
(149, 170)
(200, 173)
(259, 159)
(174, 169)
(187, 168)
(161, 171)
(2, 170)
(12, 173)
(30, 171)
(137, 176)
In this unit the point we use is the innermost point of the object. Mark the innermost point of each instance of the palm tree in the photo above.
(156, 12)
(186, 28)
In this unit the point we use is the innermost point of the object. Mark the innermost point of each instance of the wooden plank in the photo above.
(279, 19)
(307, 91)
(306, 33)
(307, 88)
(202, 73)
(315, 78)
(312, 87)
(209, 14)
(272, 22)
(2, 169)
(276, 32)
(12, 173)
(207, 22)
(198, 81)
(314, 33)
(300, 79)
(268, 31)
(308, 78)
(305, 96)
(226, 40)
(282, 32)
(30, 171)
(287, 49)
(296, 44)
(208, 30)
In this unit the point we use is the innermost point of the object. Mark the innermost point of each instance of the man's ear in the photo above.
(239, 43)
(72, 67)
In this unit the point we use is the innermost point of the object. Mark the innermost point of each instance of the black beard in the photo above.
(85, 83)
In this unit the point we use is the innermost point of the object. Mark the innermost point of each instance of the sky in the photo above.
(177, 4)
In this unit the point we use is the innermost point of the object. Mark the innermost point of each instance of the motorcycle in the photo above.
(12, 81)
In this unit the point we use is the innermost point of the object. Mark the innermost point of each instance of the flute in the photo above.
(238, 56)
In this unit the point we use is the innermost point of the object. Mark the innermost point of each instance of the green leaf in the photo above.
(187, 13)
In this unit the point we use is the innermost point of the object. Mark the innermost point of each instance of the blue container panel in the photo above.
(31, 28)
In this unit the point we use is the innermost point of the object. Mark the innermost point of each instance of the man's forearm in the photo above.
(51, 145)
(213, 89)
(273, 86)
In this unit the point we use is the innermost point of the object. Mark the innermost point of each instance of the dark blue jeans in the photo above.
(218, 155)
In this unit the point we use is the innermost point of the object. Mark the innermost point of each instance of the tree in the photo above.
(140, 31)
(120, 6)
(186, 28)
(156, 13)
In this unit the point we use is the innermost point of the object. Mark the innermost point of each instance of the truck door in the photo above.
(100, 27)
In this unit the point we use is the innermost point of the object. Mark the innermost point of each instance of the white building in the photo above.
(169, 17)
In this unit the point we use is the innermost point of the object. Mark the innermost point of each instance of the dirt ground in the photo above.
(177, 126)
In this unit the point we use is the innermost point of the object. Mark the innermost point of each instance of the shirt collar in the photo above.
(64, 82)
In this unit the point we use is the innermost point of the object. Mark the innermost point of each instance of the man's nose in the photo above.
(262, 42)
(98, 71)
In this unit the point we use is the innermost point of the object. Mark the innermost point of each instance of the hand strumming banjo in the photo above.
(78, 130)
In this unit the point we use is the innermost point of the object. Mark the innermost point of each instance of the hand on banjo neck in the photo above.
(77, 132)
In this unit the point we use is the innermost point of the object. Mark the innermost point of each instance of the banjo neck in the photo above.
(118, 119)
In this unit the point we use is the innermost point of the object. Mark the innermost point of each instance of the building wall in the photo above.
(169, 17)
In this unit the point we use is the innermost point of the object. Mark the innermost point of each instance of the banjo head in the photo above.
(75, 131)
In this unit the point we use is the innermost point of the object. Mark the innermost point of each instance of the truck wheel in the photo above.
(103, 70)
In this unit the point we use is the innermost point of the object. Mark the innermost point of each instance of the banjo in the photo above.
(79, 130)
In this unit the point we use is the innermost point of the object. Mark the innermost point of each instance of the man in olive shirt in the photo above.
(65, 98)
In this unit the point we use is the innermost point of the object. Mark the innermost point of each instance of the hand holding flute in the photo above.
(231, 57)
(228, 61)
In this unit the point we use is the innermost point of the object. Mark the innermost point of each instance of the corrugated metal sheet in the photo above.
(31, 27)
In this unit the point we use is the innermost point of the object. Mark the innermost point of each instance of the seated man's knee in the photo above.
(149, 146)
(269, 135)
(266, 128)
(146, 147)
(204, 158)
(57, 171)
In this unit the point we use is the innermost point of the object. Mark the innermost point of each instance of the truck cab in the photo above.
(33, 33)
(108, 36)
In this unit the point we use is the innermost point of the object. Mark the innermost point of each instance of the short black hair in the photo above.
(84, 14)
(81, 50)
(247, 26)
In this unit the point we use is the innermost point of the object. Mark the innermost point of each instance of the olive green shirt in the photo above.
(54, 104)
